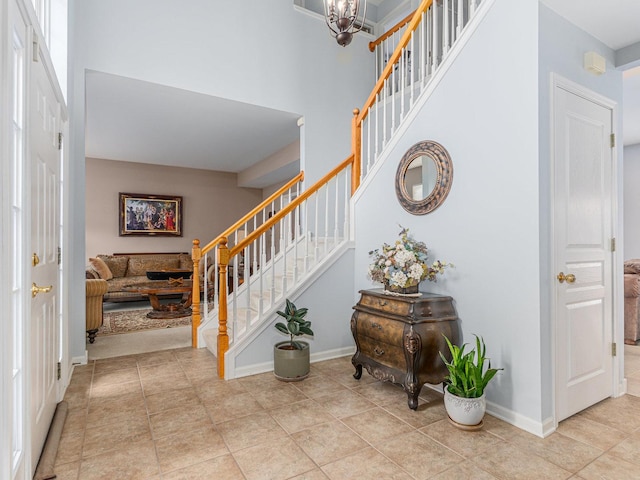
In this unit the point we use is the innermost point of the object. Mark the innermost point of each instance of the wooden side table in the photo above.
(398, 338)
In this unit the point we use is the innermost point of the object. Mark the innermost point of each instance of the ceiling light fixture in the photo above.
(343, 18)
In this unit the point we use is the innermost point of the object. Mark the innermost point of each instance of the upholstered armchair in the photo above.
(96, 288)
(631, 301)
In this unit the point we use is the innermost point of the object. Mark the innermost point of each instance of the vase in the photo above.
(465, 412)
(291, 364)
(401, 290)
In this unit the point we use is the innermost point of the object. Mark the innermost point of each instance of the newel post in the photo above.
(196, 254)
(223, 336)
(356, 147)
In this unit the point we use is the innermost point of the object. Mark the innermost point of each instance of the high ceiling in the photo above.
(132, 120)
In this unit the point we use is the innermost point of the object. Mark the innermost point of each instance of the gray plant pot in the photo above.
(291, 365)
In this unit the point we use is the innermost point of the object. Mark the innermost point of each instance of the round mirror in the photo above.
(424, 176)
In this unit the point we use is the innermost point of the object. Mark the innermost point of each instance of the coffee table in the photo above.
(155, 288)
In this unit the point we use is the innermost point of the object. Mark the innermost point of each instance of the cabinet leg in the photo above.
(358, 373)
(413, 401)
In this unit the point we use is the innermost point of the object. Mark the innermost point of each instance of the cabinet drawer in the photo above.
(379, 328)
(388, 355)
(389, 305)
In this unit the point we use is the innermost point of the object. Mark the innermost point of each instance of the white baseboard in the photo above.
(540, 429)
(264, 367)
(81, 360)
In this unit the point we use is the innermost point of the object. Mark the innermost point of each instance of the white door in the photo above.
(583, 228)
(44, 177)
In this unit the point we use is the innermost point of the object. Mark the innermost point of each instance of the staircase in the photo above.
(283, 245)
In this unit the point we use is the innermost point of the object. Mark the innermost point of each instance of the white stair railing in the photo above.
(271, 256)
(431, 35)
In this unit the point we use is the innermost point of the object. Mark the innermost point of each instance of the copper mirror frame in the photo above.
(436, 171)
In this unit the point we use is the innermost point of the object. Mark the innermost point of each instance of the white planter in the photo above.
(465, 411)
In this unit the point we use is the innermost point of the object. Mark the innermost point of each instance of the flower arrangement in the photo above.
(404, 264)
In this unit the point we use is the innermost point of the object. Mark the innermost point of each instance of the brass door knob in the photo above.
(570, 278)
(35, 289)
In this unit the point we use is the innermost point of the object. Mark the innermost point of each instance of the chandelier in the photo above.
(343, 18)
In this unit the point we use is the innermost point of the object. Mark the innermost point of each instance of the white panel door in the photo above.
(583, 258)
(44, 123)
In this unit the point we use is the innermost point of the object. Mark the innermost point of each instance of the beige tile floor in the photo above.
(166, 415)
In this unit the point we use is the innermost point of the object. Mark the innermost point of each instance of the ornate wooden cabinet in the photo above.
(399, 338)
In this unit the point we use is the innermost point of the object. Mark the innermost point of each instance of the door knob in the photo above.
(570, 278)
(35, 289)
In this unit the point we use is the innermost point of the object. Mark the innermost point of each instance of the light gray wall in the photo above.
(561, 49)
(488, 225)
(330, 320)
(211, 202)
(271, 55)
(632, 201)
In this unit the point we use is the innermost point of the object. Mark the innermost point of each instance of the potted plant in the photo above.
(291, 357)
(402, 266)
(469, 374)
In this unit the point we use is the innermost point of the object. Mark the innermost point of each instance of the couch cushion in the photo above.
(140, 266)
(101, 268)
(632, 266)
(117, 265)
(116, 284)
(185, 262)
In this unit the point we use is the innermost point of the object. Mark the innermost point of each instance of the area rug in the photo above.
(135, 320)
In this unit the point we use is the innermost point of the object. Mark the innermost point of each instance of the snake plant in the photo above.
(467, 374)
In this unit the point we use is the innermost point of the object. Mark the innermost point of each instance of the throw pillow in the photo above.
(632, 266)
(101, 268)
(117, 264)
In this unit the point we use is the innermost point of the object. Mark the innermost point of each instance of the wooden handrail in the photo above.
(225, 255)
(288, 208)
(404, 41)
(391, 31)
(211, 245)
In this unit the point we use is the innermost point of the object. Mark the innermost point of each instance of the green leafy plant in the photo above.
(296, 324)
(467, 374)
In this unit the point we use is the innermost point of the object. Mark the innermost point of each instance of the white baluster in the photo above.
(384, 117)
(376, 130)
(422, 65)
(472, 8)
(460, 25)
(316, 230)
(394, 89)
(336, 232)
(369, 149)
(346, 228)
(445, 23)
(326, 220)
(436, 38)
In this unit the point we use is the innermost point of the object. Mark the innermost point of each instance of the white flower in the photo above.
(415, 271)
(399, 279)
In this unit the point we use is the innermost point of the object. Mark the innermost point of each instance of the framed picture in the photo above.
(150, 215)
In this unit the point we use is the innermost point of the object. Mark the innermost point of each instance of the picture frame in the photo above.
(150, 215)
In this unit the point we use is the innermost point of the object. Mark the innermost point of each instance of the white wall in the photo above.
(631, 201)
(488, 225)
(561, 49)
(272, 55)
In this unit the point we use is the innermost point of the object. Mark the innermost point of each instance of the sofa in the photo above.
(121, 269)
(631, 301)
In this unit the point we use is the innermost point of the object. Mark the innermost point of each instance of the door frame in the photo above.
(617, 334)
